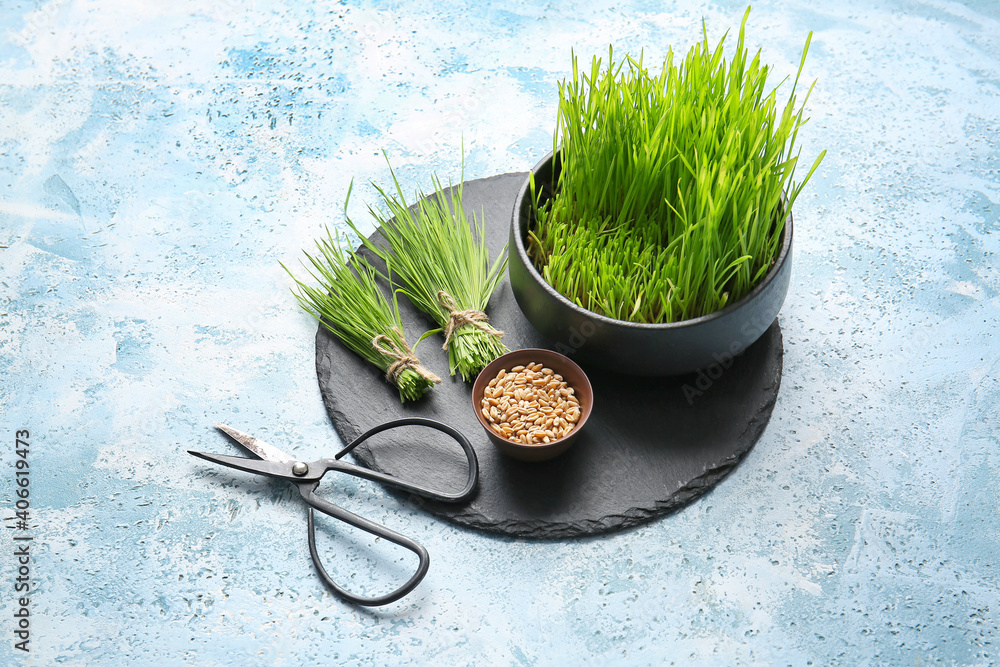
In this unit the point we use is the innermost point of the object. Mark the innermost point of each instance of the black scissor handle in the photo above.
(330, 509)
(307, 490)
(366, 473)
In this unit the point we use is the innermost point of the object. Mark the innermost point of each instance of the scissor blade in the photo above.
(271, 468)
(255, 445)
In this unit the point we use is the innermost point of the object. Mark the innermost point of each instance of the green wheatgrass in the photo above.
(433, 255)
(351, 306)
(674, 189)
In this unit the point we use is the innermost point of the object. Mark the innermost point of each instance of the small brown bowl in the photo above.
(572, 374)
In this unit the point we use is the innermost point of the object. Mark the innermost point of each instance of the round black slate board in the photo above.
(651, 445)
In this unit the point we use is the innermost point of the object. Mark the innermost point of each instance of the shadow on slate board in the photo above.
(651, 445)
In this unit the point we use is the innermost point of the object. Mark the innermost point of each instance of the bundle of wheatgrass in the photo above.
(351, 306)
(670, 203)
(444, 269)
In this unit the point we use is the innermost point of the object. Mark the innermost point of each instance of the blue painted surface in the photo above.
(157, 160)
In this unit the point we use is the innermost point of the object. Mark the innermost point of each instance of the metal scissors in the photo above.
(307, 476)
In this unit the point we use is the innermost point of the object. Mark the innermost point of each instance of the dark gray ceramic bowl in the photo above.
(631, 348)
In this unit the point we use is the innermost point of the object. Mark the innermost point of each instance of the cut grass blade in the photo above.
(351, 306)
(443, 268)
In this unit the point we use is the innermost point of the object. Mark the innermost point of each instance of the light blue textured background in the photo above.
(158, 159)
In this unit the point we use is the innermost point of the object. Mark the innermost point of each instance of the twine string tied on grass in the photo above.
(403, 358)
(459, 318)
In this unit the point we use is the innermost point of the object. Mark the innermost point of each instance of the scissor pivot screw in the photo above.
(299, 468)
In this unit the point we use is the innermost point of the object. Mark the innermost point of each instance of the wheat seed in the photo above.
(530, 404)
